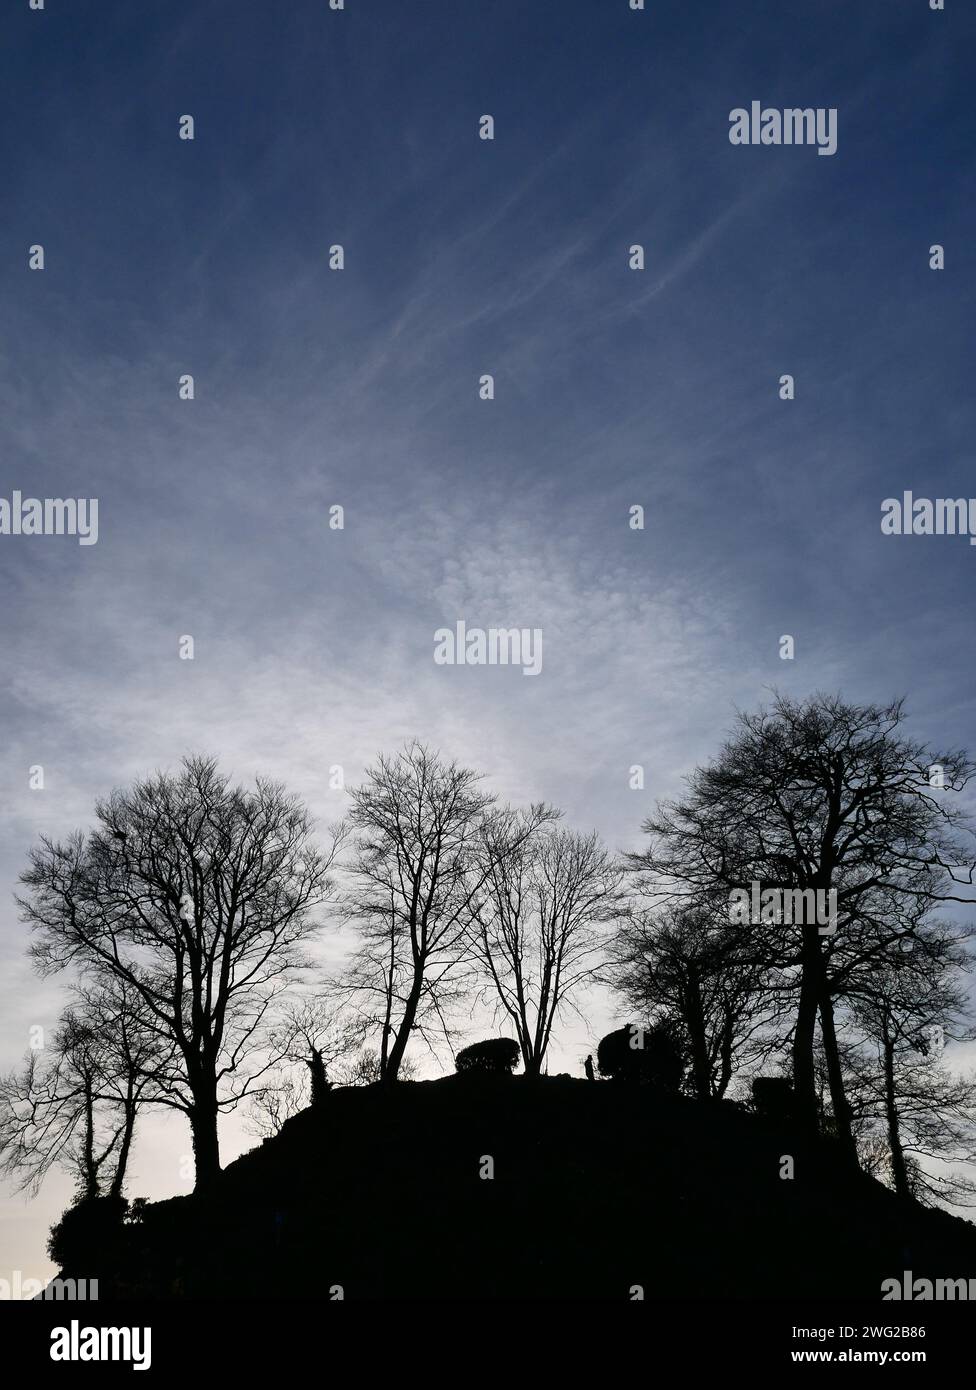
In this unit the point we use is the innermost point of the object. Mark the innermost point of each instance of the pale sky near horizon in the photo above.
(613, 388)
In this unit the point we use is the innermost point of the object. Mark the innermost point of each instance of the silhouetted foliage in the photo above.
(320, 1082)
(88, 1235)
(772, 1096)
(496, 1055)
(691, 964)
(648, 1055)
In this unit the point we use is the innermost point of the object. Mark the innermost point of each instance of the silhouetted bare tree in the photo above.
(198, 897)
(820, 795)
(419, 867)
(365, 1069)
(75, 1103)
(692, 967)
(546, 892)
(901, 1017)
(311, 1040)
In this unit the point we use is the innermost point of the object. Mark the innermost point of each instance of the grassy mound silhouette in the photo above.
(595, 1189)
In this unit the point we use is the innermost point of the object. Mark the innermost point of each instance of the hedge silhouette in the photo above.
(648, 1055)
(495, 1056)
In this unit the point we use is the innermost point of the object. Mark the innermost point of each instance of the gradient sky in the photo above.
(360, 388)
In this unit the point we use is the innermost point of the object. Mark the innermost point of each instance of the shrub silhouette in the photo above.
(320, 1083)
(648, 1055)
(772, 1096)
(88, 1236)
(495, 1055)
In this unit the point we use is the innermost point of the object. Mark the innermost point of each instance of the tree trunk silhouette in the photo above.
(90, 1167)
(804, 1076)
(835, 1078)
(399, 1047)
(206, 1146)
(697, 1033)
(899, 1169)
(532, 1062)
(125, 1144)
(320, 1082)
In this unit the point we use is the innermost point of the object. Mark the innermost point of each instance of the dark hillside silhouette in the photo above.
(596, 1189)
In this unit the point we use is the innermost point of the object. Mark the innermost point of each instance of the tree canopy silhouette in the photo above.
(825, 795)
(421, 865)
(546, 893)
(197, 897)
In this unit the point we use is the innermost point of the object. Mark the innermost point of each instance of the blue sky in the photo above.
(613, 388)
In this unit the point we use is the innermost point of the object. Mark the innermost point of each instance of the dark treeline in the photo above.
(183, 921)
